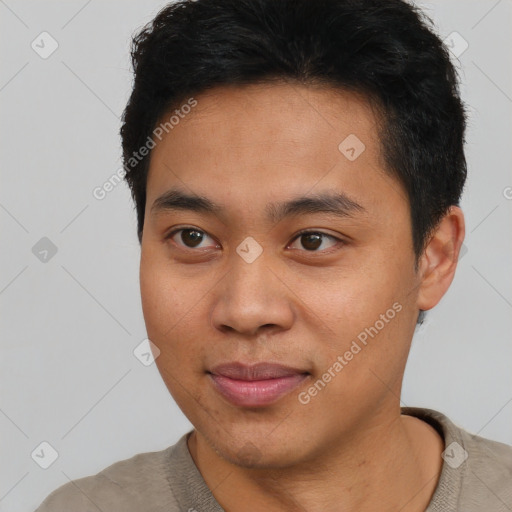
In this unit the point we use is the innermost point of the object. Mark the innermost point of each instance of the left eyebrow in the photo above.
(336, 203)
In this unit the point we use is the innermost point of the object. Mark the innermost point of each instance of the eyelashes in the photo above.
(316, 236)
(314, 239)
(173, 233)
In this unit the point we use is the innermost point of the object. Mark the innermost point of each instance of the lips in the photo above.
(259, 371)
(255, 385)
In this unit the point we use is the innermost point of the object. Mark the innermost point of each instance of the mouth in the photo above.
(256, 385)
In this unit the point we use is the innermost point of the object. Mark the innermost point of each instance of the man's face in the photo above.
(240, 285)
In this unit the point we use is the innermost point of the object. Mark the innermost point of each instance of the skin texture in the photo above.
(348, 448)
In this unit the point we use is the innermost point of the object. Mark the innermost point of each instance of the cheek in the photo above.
(365, 314)
(349, 299)
(167, 299)
(158, 297)
(171, 307)
(173, 303)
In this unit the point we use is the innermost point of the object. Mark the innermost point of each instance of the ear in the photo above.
(439, 260)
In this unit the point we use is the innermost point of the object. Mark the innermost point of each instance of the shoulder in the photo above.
(476, 472)
(138, 483)
(488, 471)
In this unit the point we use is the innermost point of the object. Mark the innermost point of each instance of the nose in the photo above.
(252, 297)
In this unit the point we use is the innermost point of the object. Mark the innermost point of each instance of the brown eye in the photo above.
(312, 240)
(190, 238)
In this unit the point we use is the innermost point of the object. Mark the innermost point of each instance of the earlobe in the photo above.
(439, 260)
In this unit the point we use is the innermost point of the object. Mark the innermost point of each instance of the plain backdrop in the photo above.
(69, 293)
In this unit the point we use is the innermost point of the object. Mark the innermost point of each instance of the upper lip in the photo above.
(258, 371)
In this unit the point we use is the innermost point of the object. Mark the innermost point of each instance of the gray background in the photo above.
(70, 324)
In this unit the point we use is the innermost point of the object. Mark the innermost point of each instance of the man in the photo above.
(297, 167)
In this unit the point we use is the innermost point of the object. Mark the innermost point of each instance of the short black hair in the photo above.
(386, 49)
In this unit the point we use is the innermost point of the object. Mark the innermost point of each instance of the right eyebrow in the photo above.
(176, 199)
(335, 203)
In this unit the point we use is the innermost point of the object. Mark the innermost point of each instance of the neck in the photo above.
(392, 465)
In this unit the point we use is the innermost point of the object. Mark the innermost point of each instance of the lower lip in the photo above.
(256, 393)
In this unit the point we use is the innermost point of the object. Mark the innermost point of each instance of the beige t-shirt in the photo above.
(476, 476)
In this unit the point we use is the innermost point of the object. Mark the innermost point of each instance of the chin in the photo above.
(257, 453)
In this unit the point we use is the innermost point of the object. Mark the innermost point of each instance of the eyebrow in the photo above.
(336, 203)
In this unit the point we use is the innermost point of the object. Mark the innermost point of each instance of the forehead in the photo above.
(266, 139)
(279, 111)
